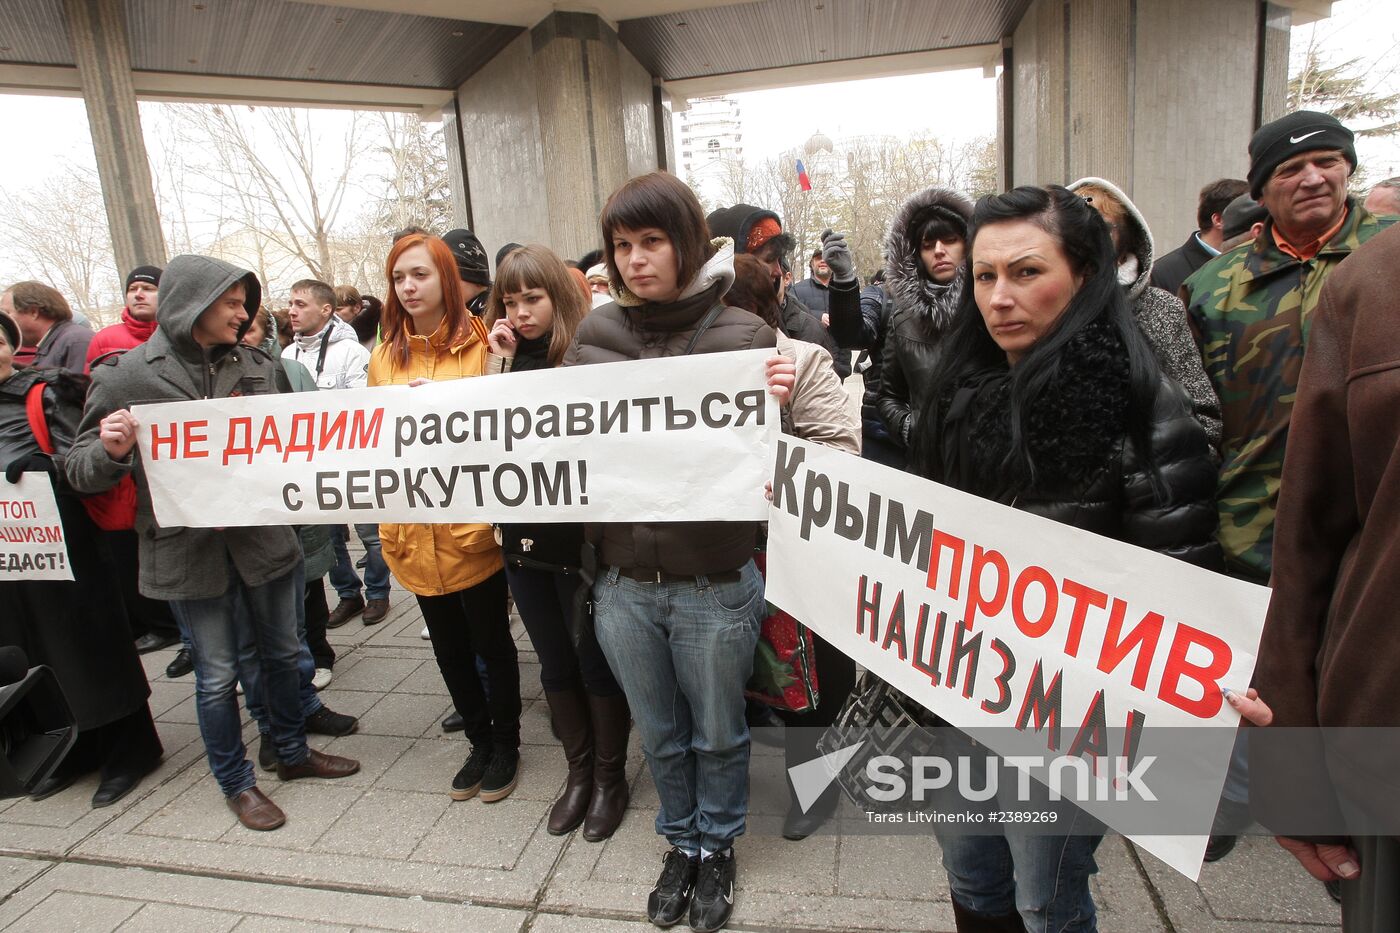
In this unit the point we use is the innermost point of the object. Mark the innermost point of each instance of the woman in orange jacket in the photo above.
(454, 570)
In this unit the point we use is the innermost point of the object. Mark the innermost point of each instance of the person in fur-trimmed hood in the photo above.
(1160, 314)
(924, 274)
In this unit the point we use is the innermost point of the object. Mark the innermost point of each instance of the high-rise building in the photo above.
(711, 142)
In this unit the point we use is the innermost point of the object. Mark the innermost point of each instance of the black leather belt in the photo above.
(650, 575)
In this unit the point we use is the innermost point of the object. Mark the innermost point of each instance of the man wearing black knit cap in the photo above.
(472, 268)
(1251, 309)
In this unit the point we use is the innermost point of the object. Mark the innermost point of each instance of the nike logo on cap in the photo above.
(1298, 139)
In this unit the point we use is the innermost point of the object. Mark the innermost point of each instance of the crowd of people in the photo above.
(1029, 348)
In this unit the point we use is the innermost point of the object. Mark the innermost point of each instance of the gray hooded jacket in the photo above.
(183, 563)
(1162, 318)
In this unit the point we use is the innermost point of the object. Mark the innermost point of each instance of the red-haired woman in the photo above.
(455, 570)
(534, 311)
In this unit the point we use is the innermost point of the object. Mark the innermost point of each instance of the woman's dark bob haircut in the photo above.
(663, 201)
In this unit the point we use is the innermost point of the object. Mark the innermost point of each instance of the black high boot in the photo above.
(612, 721)
(570, 712)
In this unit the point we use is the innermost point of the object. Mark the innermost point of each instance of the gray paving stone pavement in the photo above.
(388, 850)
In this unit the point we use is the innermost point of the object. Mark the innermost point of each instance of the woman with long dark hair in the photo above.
(677, 605)
(1051, 401)
(534, 312)
(454, 570)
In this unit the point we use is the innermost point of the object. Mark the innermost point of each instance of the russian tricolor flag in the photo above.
(802, 178)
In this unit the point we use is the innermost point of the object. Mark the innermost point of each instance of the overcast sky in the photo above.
(952, 104)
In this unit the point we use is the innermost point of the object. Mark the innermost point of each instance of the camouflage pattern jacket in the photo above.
(1251, 309)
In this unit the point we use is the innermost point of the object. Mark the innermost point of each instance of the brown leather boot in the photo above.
(969, 921)
(569, 709)
(612, 721)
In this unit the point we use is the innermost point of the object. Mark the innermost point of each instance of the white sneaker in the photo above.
(424, 634)
(238, 687)
(322, 678)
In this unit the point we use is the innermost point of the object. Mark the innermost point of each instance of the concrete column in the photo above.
(456, 167)
(97, 30)
(556, 122)
(1275, 27)
(1160, 98)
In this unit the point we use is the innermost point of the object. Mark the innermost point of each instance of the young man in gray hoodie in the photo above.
(223, 584)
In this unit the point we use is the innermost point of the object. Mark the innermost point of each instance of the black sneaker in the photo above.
(267, 754)
(468, 779)
(501, 774)
(326, 721)
(668, 901)
(714, 893)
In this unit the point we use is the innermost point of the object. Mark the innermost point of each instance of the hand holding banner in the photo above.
(680, 439)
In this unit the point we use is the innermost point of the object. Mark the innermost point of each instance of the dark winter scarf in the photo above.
(940, 301)
(531, 354)
(1074, 428)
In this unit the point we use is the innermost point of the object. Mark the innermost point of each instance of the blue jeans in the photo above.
(251, 678)
(215, 629)
(682, 653)
(343, 576)
(1044, 878)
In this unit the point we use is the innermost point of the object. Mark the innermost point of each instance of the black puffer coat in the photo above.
(640, 330)
(1090, 472)
(921, 315)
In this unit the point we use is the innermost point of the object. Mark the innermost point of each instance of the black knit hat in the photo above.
(1241, 214)
(505, 251)
(148, 274)
(11, 329)
(470, 255)
(1301, 131)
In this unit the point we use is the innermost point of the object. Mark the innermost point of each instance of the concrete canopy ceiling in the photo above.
(438, 44)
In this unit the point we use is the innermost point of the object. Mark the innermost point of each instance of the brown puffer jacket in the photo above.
(644, 331)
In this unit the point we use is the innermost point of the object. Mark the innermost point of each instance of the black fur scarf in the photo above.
(1073, 429)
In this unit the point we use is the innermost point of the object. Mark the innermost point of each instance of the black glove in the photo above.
(29, 463)
(837, 255)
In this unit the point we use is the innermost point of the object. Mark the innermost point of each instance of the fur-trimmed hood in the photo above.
(903, 278)
(1135, 279)
(719, 268)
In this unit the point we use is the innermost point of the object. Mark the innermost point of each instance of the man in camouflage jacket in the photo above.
(1251, 309)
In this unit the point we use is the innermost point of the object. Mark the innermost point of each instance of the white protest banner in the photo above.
(32, 545)
(1011, 626)
(680, 439)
